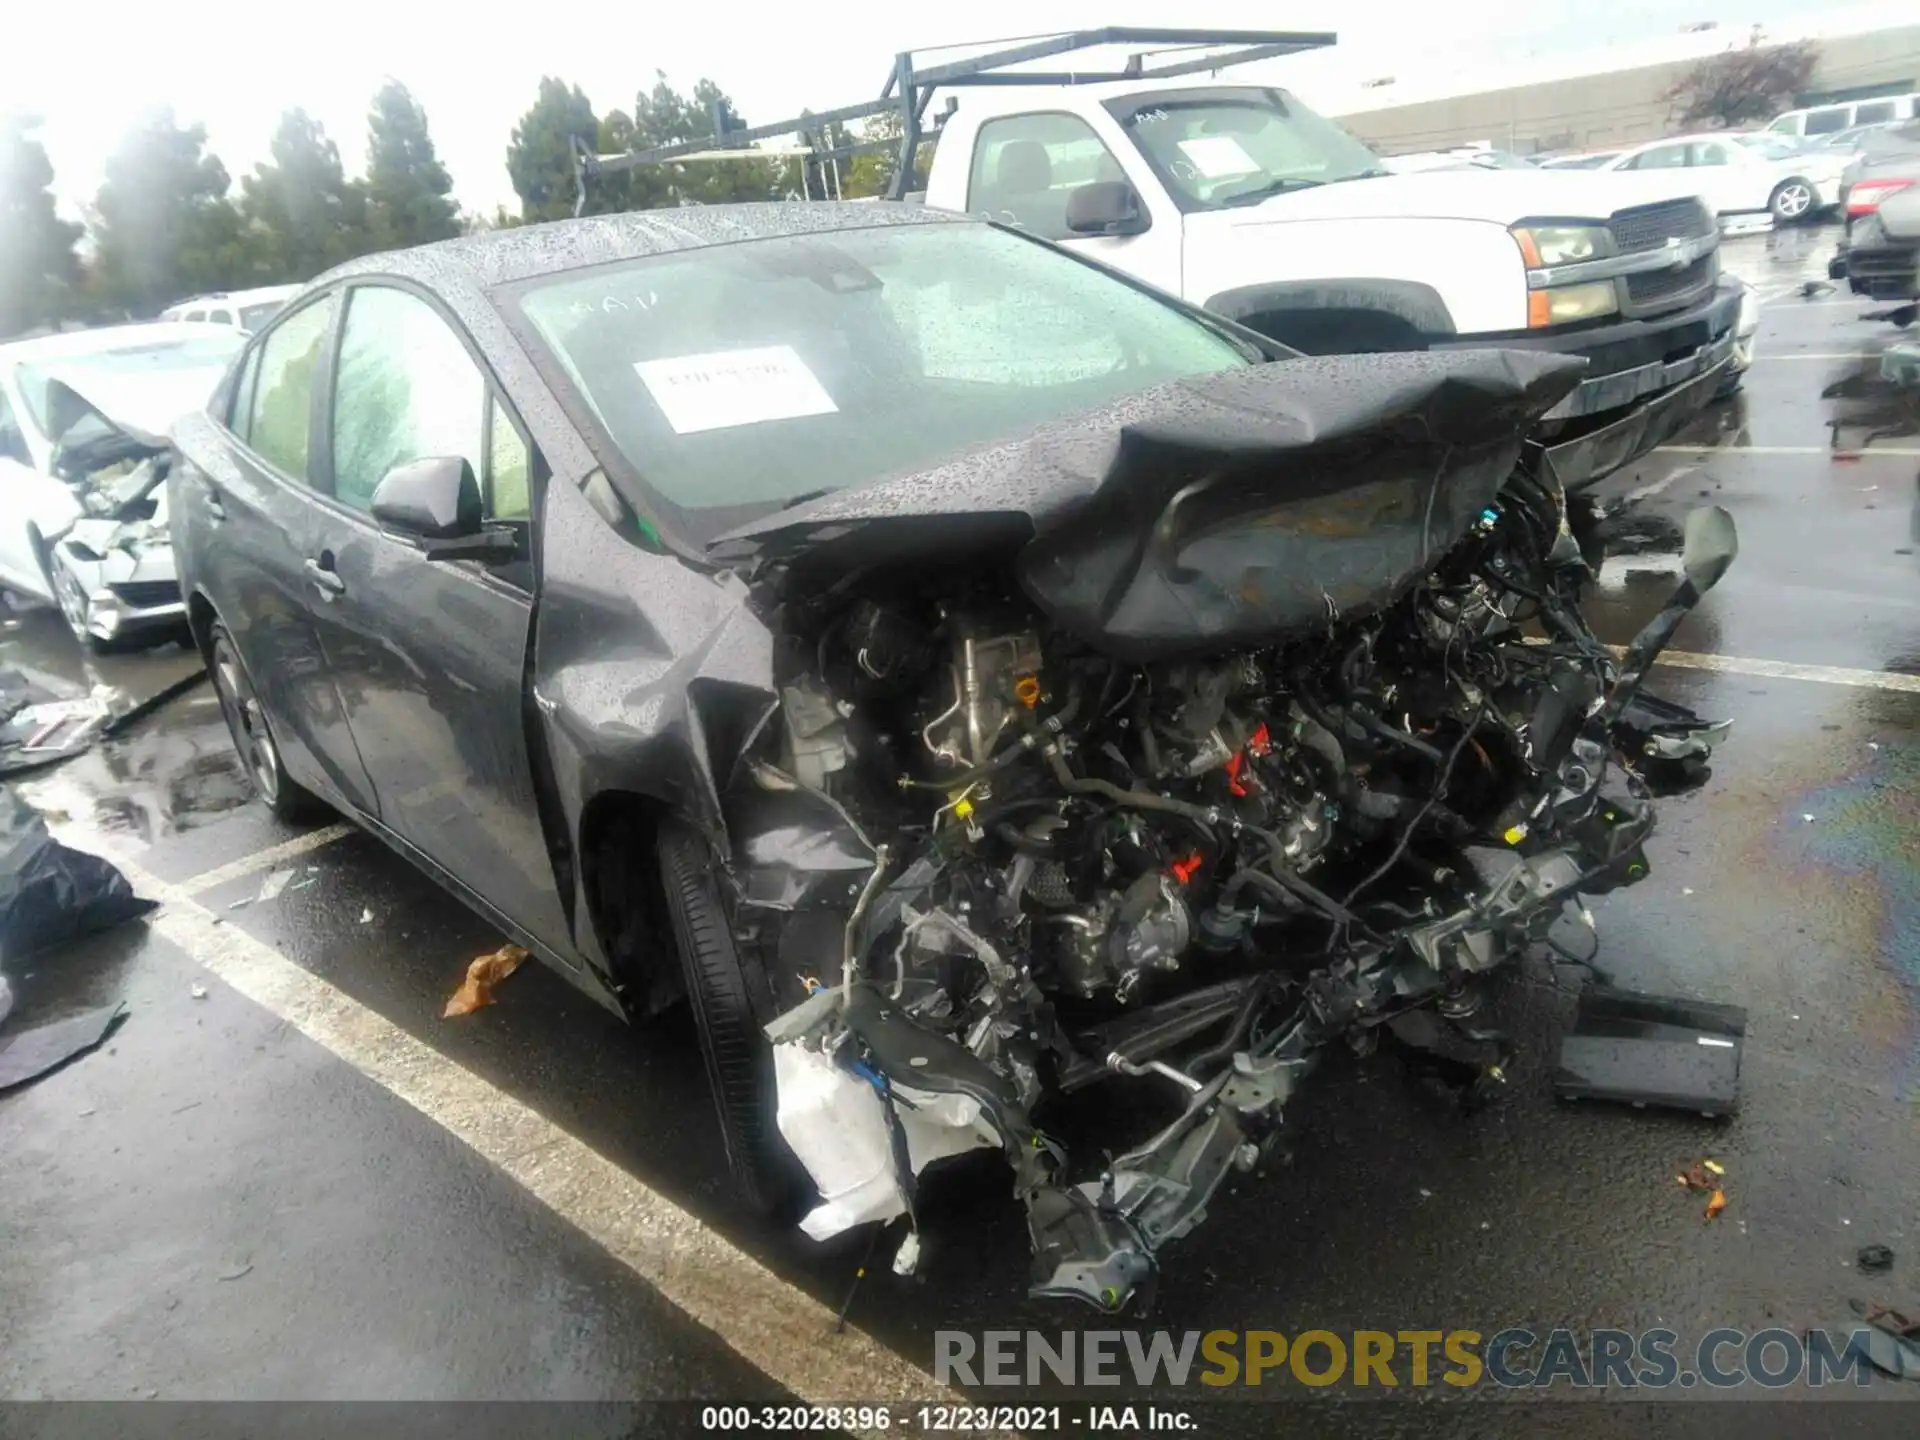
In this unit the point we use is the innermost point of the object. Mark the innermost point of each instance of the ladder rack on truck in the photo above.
(909, 92)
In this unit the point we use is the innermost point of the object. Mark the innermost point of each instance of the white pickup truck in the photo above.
(1239, 198)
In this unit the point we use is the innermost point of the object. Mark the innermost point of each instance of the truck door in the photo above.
(1025, 169)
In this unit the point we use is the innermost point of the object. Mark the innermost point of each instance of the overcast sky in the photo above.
(234, 66)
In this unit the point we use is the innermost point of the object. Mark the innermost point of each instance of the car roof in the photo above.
(501, 257)
(106, 337)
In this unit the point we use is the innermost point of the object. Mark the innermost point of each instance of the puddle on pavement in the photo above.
(171, 771)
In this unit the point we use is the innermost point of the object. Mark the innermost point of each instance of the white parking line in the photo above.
(271, 856)
(777, 1328)
(1819, 355)
(1786, 670)
(1868, 454)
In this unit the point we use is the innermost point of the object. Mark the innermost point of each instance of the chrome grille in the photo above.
(1646, 227)
(1656, 285)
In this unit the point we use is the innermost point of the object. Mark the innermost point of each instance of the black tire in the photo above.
(730, 1004)
(253, 737)
(1794, 201)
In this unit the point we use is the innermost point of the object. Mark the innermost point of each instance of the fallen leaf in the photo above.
(236, 1272)
(1714, 1166)
(1716, 1203)
(482, 975)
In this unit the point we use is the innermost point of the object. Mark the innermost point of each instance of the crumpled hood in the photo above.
(1501, 197)
(139, 406)
(1222, 510)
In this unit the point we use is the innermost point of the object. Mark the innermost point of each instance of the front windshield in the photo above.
(252, 317)
(736, 378)
(1219, 148)
(1769, 146)
(202, 352)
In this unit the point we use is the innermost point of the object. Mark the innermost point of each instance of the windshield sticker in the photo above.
(1217, 157)
(733, 387)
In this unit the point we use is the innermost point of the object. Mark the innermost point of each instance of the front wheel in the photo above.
(71, 597)
(729, 1008)
(252, 735)
(1793, 201)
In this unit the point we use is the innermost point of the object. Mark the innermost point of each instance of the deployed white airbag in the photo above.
(836, 1124)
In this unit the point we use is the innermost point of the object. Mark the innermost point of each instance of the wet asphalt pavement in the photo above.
(217, 1207)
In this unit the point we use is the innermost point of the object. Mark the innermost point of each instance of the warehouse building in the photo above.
(1607, 99)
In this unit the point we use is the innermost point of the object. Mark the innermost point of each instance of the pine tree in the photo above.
(540, 156)
(409, 193)
(38, 268)
(307, 214)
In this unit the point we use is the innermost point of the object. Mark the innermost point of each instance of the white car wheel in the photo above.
(1792, 200)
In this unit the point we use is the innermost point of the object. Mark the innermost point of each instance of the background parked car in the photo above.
(1591, 160)
(1879, 256)
(1478, 157)
(1847, 114)
(1745, 182)
(83, 426)
(249, 309)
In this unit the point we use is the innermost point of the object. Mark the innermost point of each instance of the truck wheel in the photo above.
(1793, 201)
(252, 736)
(729, 1009)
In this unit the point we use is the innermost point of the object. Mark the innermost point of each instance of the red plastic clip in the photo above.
(1184, 870)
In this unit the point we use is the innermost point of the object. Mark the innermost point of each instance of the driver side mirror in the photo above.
(435, 502)
(1106, 207)
(432, 499)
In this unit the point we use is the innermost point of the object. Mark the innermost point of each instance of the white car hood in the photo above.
(141, 405)
(1501, 197)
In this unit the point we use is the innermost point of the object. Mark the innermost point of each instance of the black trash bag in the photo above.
(50, 893)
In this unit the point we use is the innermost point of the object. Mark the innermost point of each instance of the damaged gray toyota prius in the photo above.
(990, 678)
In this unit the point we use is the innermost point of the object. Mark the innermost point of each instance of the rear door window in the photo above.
(1873, 112)
(279, 415)
(1659, 157)
(1825, 122)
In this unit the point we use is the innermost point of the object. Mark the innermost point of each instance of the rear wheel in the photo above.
(1793, 201)
(252, 735)
(731, 1001)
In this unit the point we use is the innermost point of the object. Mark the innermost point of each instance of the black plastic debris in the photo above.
(50, 893)
(1874, 1259)
(1653, 1050)
(45, 1048)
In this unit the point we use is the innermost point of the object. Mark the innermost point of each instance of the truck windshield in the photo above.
(1220, 148)
(749, 374)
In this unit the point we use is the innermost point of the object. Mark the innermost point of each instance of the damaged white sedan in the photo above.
(84, 419)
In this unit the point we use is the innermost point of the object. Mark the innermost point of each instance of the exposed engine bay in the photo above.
(1005, 841)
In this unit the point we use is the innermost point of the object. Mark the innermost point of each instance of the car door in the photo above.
(1732, 179)
(429, 655)
(246, 512)
(1025, 168)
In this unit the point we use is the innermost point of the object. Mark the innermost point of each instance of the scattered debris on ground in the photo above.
(1874, 1259)
(1706, 1174)
(40, 1051)
(50, 893)
(482, 976)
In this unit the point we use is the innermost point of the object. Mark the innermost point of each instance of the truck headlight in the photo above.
(1567, 303)
(1545, 245)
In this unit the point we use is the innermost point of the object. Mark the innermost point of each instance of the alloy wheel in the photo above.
(72, 601)
(1793, 201)
(246, 721)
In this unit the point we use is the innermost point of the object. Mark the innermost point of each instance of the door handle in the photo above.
(325, 580)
